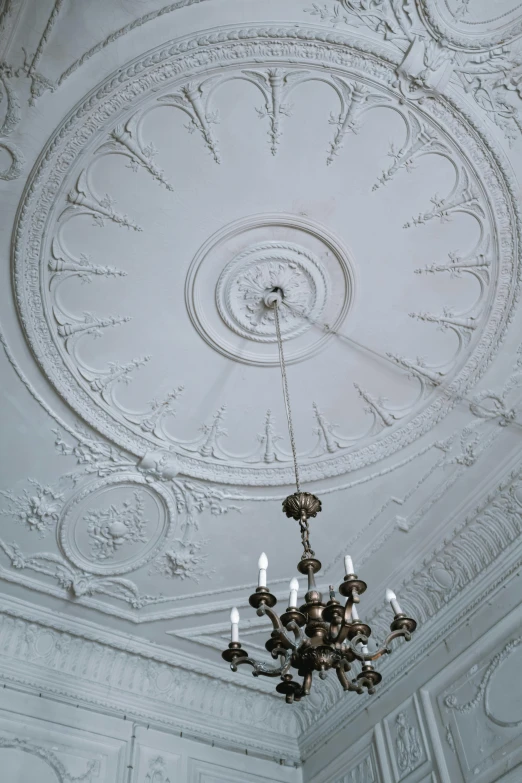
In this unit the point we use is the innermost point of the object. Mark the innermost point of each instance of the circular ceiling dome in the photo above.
(209, 172)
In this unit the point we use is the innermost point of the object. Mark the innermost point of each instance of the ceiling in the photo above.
(162, 168)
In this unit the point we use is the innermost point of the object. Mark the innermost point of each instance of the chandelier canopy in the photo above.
(316, 636)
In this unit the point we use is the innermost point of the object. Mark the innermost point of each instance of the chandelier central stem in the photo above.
(275, 304)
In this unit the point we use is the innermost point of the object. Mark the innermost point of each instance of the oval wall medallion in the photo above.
(115, 524)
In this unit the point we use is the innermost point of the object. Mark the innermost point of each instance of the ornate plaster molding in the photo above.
(309, 48)
(457, 567)
(439, 47)
(148, 685)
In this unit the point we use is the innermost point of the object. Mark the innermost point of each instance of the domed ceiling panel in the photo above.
(197, 183)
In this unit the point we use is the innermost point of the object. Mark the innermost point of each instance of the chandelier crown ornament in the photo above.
(316, 636)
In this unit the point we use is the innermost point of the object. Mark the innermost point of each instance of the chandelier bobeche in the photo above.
(316, 636)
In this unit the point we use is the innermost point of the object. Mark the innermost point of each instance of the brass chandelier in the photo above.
(316, 636)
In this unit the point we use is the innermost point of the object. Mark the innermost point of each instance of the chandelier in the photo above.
(316, 636)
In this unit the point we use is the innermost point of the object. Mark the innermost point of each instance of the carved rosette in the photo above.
(248, 279)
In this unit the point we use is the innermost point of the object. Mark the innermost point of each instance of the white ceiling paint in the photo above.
(164, 166)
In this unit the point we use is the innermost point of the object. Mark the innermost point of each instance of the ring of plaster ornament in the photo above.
(495, 703)
(216, 52)
(116, 526)
(248, 276)
(247, 280)
(469, 34)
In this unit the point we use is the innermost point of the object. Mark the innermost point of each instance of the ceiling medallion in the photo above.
(317, 636)
(284, 250)
(98, 227)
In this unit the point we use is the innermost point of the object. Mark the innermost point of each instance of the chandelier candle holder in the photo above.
(316, 636)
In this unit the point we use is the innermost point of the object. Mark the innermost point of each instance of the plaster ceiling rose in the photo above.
(388, 225)
(279, 251)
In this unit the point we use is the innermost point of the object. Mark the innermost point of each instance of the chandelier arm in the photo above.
(348, 685)
(265, 669)
(307, 683)
(300, 638)
(385, 649)
(276, 623)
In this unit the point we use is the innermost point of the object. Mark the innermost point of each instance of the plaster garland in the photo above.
(477, 407)
(64, 266)
(275, 85)
(420, 140)
(487, 67)
(481, 696)
(83, 200)
(238, 474)
(47, 755)
(82, 574)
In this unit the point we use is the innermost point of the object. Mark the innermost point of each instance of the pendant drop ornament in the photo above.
(301, 502)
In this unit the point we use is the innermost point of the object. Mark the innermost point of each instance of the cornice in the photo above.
(443, 593)
(144, 681)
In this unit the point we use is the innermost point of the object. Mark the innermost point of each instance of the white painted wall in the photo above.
(462, 725)
(45, 741)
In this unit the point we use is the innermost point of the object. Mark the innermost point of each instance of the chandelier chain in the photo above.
(305, 536)
(286, 394)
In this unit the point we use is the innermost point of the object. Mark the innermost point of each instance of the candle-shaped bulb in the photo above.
(294, 588)
(262, 565)
(348, 565)
(234, 619)
(392, 598)
(332, 592)
(364, 649)
(355, 613)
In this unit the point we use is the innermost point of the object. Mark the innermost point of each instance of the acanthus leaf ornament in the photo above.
(103, 382)
(82, 198)
(421, 140)
(61, 265)
(275, 84)
(193, 99)
(10, 122)
(125, 138)
(356, 99)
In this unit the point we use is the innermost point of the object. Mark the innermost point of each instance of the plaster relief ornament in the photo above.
(407, 747)
(206, 270)
(317, 636)
(110, 529)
